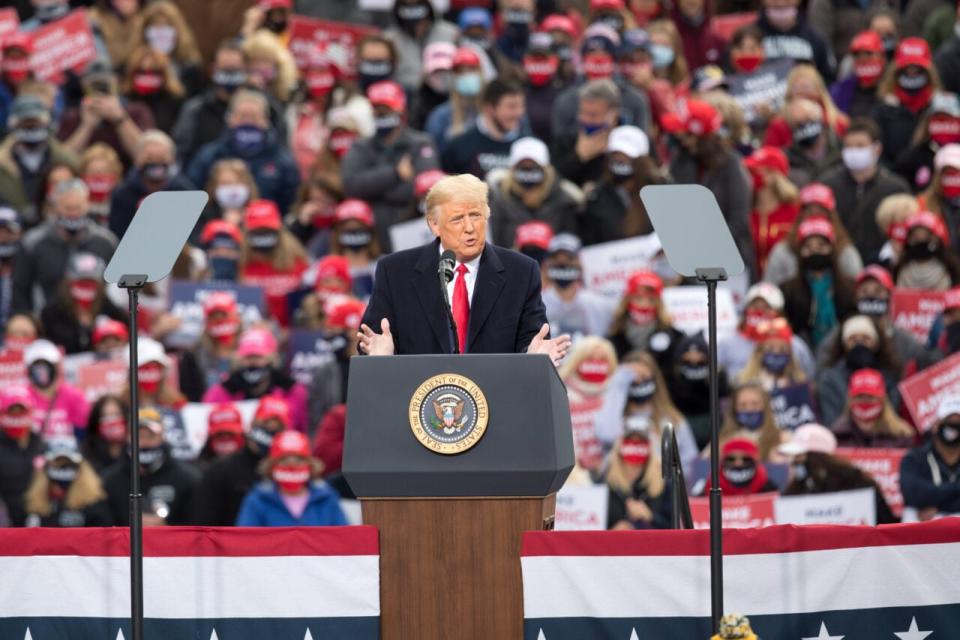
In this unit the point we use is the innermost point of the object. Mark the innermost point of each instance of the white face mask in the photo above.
(162, 38)
(232, 196)
(859, 158)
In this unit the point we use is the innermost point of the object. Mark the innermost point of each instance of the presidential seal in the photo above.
(448, 413)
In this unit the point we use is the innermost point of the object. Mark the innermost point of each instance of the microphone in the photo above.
(448, 261)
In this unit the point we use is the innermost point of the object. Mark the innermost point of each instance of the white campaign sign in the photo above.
(582, 508)
(687, 307)
(857, 507)
(607, 266)
(410, 234)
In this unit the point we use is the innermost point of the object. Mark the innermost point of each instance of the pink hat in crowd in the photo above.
(15, 396)
(810, 438)
(257, 342)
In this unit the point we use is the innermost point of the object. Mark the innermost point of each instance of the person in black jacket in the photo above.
(930, 473)
(786, 34)
(155, 170)
(70, 317)
(66, 491)
(543, 84)
(638, 499)
(579, 155)
(227, 481)
(166, 484)
(19, 446)
(940, 128)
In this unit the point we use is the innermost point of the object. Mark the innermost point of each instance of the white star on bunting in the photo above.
(540, 636)
(913, 633)
(28, 636)
(213, 635)
(120, 634)
(308, 635)
(824, 634)
(633, 634)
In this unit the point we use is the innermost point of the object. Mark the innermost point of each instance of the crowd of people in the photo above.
(840, 188)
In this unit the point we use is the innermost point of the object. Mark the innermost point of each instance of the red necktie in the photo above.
(461, 306)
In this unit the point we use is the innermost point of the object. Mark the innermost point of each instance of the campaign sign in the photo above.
(923, 392)
(607, 266)
(9, 21)
(308, 350)
(66, 44)
(12, 370)
(410, 234)
(99, 378)
(583, 416)
(883, 465)
(186, 303)
(193, 416)
(739, 512)
(687, 308)
(792, 406)
(582, 508)
(857, 507)
(337, 40)
(766, 86)
(914, 311)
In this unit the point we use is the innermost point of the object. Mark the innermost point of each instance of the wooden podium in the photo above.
(450, 524)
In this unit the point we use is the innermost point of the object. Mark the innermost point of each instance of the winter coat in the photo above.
(558, 205)
(16, 474)
(83, 505)
(852, 99)
(263, 507)
(839, 21)
(947, 61)
(173, 484)
(409, 70)
(782, 263)
(273, 169)
(281, 386)
(701, 44)
(800, 44)
(603, 216)
(440, 121)
(369, 172)
(804, 170)
(14, 188)
(798, 308)
(849, 435)
(43, 257)
(927, 481)
(897, 125)
(62, 328)
(224, 485)
(634, 108)
(915, 165)
(857, 205)
(660, 506)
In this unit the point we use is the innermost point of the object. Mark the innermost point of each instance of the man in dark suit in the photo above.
(495, 293)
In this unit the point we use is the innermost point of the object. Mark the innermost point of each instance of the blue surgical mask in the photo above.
(775, 362)
(468, 84)
(662, 56)
(591, 129)
(248, 140)
(750, 420)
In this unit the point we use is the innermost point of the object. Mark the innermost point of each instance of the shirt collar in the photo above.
(473, 265)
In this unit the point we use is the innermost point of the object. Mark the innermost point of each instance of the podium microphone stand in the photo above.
(146, 253)
(698, 244)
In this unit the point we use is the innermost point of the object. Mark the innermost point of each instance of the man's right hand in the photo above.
(376, 344)
(591, 146)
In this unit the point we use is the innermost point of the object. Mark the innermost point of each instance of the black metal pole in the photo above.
(133, 284)
(716, 520)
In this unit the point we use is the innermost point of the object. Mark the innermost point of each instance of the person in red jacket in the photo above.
(776, 200)
(272, 258)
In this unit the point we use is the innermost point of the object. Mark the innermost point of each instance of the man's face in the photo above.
(248, 113)
(596, 113)
(155, 153)
(870, 289)
(509, 112)
(72, 204)
(462, 228)
(228, 60)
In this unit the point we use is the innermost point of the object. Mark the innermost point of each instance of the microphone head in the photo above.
(448, 260)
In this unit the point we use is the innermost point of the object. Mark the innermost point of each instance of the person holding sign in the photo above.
(869, 419)
(636, 485)
(930, 473)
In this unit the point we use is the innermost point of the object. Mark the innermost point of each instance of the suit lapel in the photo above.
(486, 290)
(427, 286)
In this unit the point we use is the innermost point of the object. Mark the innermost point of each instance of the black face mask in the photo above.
(385, 125)
(913, 84)
(529, 178)
(807, 133)
(876, 307)
(620, 171)
(355, 239)
(410, 15)
(641, 392)
(534, 252)
(517, 24)
(860, 357)
(949, 433)
(152, 458)
(740, 476)
(8, 250)
(923, 250)
(276, 21)
(952, 337)
(155, 172)
(564, 276)
(253, 377)
(230, 81)
(370, 72)
(42, 374)
(260, 440)
(694, 372)
(264, 240)
(817, 262)
(63, 476)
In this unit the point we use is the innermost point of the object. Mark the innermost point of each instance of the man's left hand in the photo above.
(556, 348)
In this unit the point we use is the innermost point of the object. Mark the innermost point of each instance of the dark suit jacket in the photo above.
(505, 315)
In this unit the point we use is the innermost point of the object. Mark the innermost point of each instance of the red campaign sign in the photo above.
(884, 466)
(923, 392)
(9, 21)
(914, 310)
(337, 40)
(99, 378)
(739, 512)
(583, 416)
(12, 369)
(66, 44)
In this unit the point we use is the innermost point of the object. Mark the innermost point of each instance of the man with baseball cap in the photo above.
(571, 307)
(20, 445)
(530, 190)
(166, 484)
(381, 170)
(930, 473)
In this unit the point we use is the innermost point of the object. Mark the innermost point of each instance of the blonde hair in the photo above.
(831, 114)
(283, 257)
(265, 45)
(732, 113)
(464, 187)
(582, 350)
(240, 168)
(171, 82)
(768, 436)
(754, 371)
(895, 208)
(678, 72)
(100, 151)
(889, 422)
(663, 408)
(618, 479)
(784, 189)
(186, 50)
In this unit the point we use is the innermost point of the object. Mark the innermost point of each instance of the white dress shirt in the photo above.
(471, 276)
